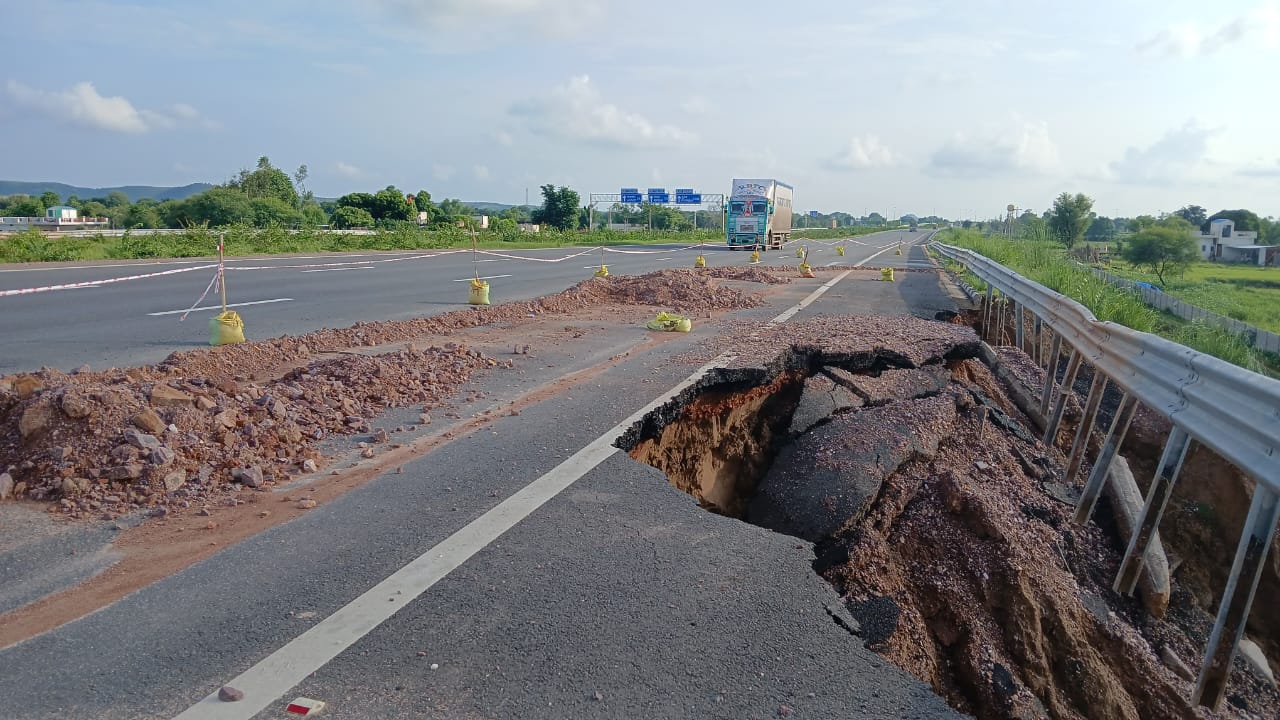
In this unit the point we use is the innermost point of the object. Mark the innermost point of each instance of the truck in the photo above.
(915, 225)
(759, 214)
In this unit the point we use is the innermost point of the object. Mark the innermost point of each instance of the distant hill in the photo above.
(135, 192)
(489, 206)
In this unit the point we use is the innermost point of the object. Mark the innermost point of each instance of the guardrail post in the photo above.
(1019, 334)
(1004, 304)
(1102, 465)
(986, 312)
(1233, 611)
(1068, 379)
(1050, 373)
(1037, 328)
(1135, 556)
(1085, 428)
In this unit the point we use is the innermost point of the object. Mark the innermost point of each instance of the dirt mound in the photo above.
(114, 442)
(748, 273)
(177, 434)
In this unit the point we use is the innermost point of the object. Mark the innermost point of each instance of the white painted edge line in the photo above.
(485, 277)
(361, 267)
(282, 670)
(219, 307)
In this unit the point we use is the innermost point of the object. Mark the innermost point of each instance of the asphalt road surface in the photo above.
(137, 321)
(526, 570)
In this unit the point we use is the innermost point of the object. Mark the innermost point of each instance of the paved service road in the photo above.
(569, 582)
(137, 322)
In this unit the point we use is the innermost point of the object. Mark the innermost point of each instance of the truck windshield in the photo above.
(736, 208)
(757, 208)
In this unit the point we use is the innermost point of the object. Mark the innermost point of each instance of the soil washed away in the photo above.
(935, 513)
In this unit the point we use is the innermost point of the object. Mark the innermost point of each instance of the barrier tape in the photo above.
(203, 295)
(95, 283)
(341, 264)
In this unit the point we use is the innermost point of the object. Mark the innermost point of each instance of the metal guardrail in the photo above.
(1231, 410)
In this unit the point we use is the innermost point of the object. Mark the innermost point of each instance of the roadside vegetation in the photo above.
(1047, 263)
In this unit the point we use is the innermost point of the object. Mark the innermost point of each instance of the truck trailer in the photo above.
(759, 214)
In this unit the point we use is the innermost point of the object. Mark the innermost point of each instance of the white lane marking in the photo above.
(489, 260)
(283, 669)
(486, 277)
(361, 267)
(219, 307)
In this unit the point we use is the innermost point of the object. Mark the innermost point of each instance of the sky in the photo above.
(950, 108)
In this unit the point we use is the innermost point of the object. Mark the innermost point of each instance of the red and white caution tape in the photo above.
(652, 252)
(340, 264)
(203, 295)
(96, 283)
(541, 260)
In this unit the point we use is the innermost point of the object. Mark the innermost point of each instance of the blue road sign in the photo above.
(813, 213)
(688, 198)
(659, 196)
(632, 197)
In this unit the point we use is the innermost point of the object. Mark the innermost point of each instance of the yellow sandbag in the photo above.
(603, 271)
(806, 271)
(886, 274)
(700, 262)
(755, 256)
(670, 322)
(226, 328)
(800, 252)
(898, 251)
(479, 293)
(840, 250)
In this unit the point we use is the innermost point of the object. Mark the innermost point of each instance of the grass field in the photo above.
(1247, 293)
(34, 246)
(1046, 263)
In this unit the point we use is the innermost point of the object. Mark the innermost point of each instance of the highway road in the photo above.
(524, 570)
(137, 321)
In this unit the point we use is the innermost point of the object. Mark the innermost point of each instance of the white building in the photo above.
(56, 218)
(1223, 243)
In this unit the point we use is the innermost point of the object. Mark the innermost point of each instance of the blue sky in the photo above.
(954, 108)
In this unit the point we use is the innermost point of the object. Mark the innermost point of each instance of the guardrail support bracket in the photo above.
(1148, 524)
(1233, 611)
(1102, 466)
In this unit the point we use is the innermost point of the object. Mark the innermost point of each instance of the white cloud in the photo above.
(696, 105)
(504, 138)
(862, 153)
(577, 112)
(441, 172)
(1023, 149)
(548, 17)
(83, 105)
(1168, 161)
(349, 171)
(480, 172)
(1188, 39)
(1263, 171)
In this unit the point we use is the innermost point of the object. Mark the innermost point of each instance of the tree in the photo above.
(559, 208)
(1163, 249)
(1193, 214)
(1142, 222)
(49, 198)
(875, 218)
(391, 204)
(422, 200)
(142, 214)
(1031, 227)
(1100, 230)
(450, 211)
(313, 215)
(219, 207)
(267, 211)
(361, 200)
(1245, 220)
(116, 198)
(349, 216)
(266, 182)
(27, 207)
(1070, 217)
(300, 183)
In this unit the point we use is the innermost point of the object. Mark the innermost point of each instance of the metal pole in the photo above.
(1085, 428)
(1050, 373)
(1068, 380)
(1148, 524)
(222, 270)
(1251, 556)
(1019, 334)
(1102, 465)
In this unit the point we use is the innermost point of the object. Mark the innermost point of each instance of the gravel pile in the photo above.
(177, 435)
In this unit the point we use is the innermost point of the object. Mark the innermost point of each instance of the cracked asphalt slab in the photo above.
(617, 598)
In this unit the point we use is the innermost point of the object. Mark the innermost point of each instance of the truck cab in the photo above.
(758, 215)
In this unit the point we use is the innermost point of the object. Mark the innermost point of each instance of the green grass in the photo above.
(1047, 264)
(1246, 293)
(35, 246)
(835, 233)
